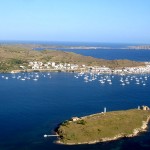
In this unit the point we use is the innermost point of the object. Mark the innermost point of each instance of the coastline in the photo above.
(136, 131)
(90, 69)
(29, 60)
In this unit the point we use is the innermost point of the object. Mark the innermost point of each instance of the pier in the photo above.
(45, 135)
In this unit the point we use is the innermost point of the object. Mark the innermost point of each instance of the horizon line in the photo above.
(49, 41)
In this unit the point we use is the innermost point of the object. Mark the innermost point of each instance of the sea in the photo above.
(31, 108)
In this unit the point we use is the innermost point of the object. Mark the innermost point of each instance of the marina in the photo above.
(87, 77)
(109, 78)
(34, 76)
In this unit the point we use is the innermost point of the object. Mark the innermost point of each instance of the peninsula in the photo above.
(16, 58)
(103, 126)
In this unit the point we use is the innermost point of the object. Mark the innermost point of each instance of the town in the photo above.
(68, 67)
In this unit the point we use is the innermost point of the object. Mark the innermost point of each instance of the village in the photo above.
(68, 67)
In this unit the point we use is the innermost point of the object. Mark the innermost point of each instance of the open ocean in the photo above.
(29, 109)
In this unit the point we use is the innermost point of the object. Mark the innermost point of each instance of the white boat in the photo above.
(35, 79)
(22, 79)
(90, 80)
(85, 78)
(76, 77)
(102, 82)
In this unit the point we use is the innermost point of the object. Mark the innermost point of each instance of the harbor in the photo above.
(87, 77)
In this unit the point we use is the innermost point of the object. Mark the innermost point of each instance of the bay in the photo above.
(29, 109)
(113, 54)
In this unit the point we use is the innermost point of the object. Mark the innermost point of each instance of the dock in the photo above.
(45, 135)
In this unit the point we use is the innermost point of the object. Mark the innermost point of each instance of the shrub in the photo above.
(16, 61)
(83, 122)
(65, 123)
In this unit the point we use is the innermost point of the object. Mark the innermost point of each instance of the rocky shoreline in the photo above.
(135, 133)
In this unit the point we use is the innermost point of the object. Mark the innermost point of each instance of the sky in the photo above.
(113, 21)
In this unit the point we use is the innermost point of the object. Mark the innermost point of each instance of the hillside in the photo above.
(12, 56)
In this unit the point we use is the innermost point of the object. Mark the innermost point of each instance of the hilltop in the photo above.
(12, 56)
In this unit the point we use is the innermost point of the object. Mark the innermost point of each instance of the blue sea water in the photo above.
(117, 51)
(29, 109)
(113, 54)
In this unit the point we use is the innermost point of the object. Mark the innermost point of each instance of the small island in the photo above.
(102, 127)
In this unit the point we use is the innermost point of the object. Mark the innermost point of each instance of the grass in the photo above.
(97, 127)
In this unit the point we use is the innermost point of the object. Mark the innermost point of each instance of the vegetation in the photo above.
(65, 123)
(12, 56)
(83, 122)
(99, 126)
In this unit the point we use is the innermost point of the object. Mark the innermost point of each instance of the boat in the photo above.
(35, 79)
(22, 79)
(123, 84)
